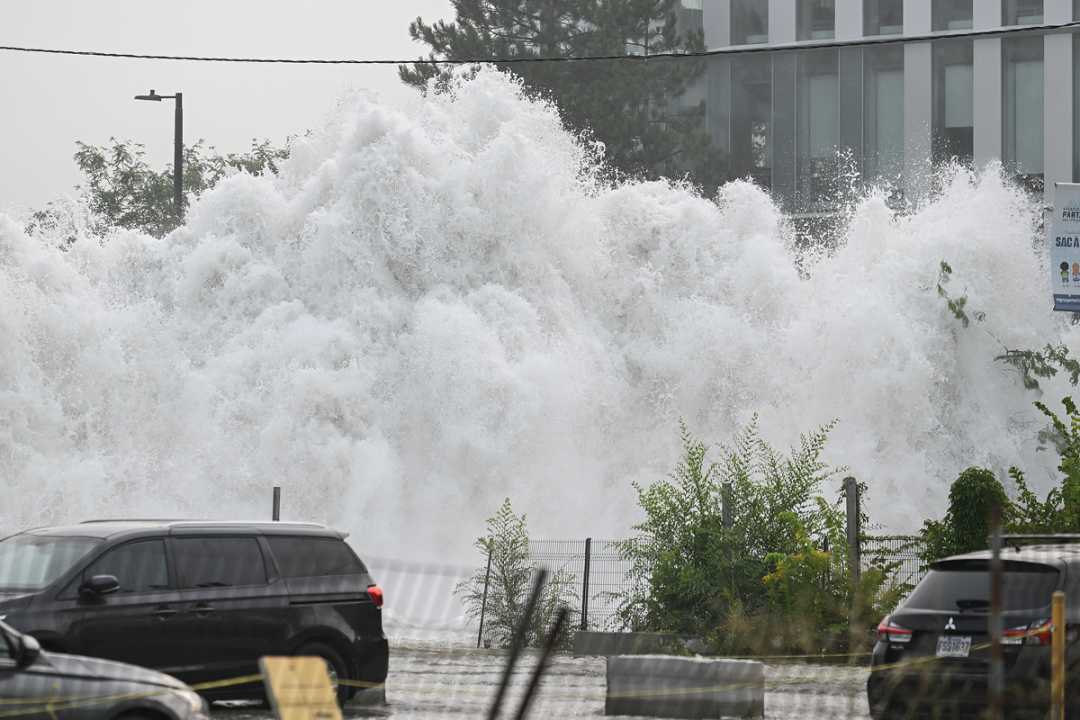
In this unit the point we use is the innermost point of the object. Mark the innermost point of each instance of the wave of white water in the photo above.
(436, 307)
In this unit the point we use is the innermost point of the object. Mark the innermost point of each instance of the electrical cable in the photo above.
(736, 50)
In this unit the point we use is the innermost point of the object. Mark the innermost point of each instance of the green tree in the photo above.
(634, 107)
(122, 190)
(966, 525)
(507, 589)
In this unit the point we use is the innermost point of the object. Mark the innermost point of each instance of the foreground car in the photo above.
(41, 684)
(932, 654)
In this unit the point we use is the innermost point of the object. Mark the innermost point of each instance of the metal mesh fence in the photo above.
(899, 555)
(599, 573)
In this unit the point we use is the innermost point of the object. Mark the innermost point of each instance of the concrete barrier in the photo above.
(630, 643)
(682, 687)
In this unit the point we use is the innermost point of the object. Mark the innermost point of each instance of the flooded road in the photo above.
(443, 682)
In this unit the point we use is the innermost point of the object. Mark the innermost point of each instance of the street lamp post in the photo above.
(178, 148)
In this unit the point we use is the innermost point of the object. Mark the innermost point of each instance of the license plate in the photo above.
(953, 646)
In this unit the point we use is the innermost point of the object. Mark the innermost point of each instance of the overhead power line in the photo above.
(738, 50)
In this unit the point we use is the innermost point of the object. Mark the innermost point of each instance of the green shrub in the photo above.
(512, 574)
(966, 525)
(771, 566)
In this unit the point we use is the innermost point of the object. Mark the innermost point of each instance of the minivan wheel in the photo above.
(335, 665)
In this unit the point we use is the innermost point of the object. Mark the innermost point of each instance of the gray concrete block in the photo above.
(681, 687)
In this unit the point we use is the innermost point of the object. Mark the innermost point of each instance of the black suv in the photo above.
(198, 600)
(932, 654)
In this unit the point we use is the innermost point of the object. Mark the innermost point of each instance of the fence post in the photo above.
(277, 503)
(483, 602)
(996, 685)
(726, 511)
(851, 494)
(585, 586)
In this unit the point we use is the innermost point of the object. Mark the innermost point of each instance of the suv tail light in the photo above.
(890, 632)
(1037, 633)
(375, 593)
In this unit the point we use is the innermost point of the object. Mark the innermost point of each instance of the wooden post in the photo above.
(1057, 658)
(851, 495)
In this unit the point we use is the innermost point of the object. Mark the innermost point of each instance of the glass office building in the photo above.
(803, 120)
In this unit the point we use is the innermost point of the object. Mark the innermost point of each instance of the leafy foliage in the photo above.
(634, 108)
(122, 190)
(507, 589)
(966, 525)
(773, 564)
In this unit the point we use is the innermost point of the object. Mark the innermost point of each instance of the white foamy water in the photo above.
(436, 307)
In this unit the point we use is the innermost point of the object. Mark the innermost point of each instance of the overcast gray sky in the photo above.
(48, 102)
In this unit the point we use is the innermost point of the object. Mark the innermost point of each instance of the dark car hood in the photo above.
(88, 667)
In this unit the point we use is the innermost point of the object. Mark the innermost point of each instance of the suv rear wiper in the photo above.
(972, 604)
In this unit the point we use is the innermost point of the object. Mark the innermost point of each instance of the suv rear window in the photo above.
(313, 556)
(965, 585)
(219, 562)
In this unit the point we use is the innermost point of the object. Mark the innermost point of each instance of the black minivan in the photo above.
(932, 655)
(201, 601)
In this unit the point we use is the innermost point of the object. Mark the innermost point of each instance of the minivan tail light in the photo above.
(375, 593)
(889, 631)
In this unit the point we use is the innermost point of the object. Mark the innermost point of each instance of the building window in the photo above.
(883, 112)
(1076, 105)
(952, 15)
(751, 126)
(818, 125)
(883, 17)
(749, 22)
(816, 19)
(1022, 150)
(953, 93)
(1021, 12)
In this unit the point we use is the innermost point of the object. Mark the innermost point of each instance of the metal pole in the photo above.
(178, 159)
(483, 602)
(585, 586)
(1057, 658)
(518, 642)
(541, 665)
(997, 666)
(277, 503)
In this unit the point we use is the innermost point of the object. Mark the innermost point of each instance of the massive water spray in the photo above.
(435, 307)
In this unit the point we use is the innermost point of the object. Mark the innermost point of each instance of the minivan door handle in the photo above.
(164, 613)
(203, 609)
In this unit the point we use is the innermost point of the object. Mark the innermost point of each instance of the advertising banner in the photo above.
(1064, 236)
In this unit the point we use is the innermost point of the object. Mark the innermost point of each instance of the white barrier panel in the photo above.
(681, 687)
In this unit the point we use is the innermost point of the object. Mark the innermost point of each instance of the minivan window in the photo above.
(965, 587)
(138, 566)
(314, 556)
(219, 562)
(32, 562)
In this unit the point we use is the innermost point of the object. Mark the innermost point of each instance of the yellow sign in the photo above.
(299, 688)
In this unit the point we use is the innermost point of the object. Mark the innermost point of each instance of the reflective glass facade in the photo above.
(1021, 12)
(815, 19)
(953, 86)
(749, 22)
(883, 17)
(883, 113)
(951, 15)
(1022, 100)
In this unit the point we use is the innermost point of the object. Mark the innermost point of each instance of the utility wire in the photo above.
(737, 50)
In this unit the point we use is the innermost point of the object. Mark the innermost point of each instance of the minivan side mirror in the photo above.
(29, 651)
(99, 585)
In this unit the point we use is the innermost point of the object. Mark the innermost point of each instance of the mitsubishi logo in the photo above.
(950, 625)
